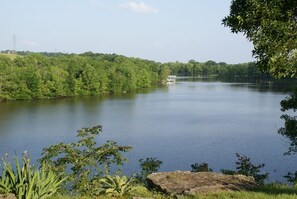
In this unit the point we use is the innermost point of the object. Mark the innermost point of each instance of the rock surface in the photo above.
(9, 196)
(186, 182)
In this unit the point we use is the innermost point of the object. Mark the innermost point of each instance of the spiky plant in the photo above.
(26, 182)
(116, 185)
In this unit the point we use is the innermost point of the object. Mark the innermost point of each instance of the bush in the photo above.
(84, 162)
(245, 167)
(196, 167)
(292, 178)
(148, 166)
(25, 182)
(116, 185)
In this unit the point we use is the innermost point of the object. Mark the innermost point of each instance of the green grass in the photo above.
(275, 191)
(11, 56)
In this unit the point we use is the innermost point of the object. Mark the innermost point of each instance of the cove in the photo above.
(189, 122)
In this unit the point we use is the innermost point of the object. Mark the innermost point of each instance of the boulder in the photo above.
(186, 182)
(7, 196)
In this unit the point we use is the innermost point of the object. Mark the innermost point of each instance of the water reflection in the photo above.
(191, 121)
(279, 86)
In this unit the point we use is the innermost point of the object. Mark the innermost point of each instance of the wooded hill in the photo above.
(41, 76)
(44, 75)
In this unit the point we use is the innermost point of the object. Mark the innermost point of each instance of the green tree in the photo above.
(245, 167)
(5, 65)
(115, 80)
(203, 167)
(33, 81)
(271, 25)
(289, 131)
(163, 74)
(84, 162)
(56, 75)
(143, 80)
(90, 80)
(55, 84)
(148, 166)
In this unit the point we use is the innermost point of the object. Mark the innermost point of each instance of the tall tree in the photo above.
(271, 25)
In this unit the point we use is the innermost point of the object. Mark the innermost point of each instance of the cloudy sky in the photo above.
(160, 30)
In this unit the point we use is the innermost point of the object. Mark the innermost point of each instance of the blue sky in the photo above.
(160, 30)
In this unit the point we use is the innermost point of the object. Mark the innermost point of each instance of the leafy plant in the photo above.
(196, 167)
(148, 166)
(292, 177)
(245, 167)
(228, 172)
(84, 162)
(289, 131)
(28, 183)
(270, 26)
(116, 185)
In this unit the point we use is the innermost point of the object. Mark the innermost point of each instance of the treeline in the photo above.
(34, 76)
(214, 69)
(30, 75)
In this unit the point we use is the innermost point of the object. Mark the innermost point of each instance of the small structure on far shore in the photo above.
(171, 79)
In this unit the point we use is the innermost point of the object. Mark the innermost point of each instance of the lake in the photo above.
(189, 122)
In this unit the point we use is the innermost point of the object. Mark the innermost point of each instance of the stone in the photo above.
(7, 196)
(186, 182)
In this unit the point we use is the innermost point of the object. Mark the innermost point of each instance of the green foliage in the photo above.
(247, 71)
(148, 166)
(116, 185)
(289, 131)
(292, 178)
(84, 162)
(245, 167)
(26, 182)
(275, 191)
(36, 76)
(272, 27)
(196, 167)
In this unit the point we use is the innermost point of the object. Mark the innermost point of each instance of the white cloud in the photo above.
(139, 7)
(30, 43)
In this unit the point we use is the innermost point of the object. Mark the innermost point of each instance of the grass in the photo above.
(11, 56)
(273, 191)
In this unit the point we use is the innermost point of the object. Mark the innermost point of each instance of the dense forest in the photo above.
(222, 70)
(45, 75)
(33, 76)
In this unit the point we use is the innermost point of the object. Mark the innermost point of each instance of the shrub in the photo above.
(84, 162)
(148, 166)
(25, 182)
(196, 167)
(292, 178)
(116, 185)
(245, 167)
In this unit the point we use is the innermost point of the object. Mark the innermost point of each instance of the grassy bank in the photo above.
(11, 56)
(275, 191)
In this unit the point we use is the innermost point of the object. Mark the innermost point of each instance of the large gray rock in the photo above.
(186, 182)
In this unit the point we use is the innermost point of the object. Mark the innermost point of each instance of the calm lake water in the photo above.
(191, 121)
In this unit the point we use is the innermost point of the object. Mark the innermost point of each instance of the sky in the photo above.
(159, 30)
